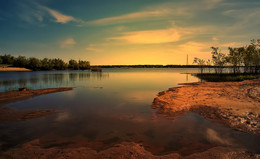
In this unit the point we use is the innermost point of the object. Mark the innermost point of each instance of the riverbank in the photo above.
(13, 69)
(9, 114)
(236, 104)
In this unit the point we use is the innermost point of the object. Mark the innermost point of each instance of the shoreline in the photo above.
(9, 114)
(235, 104)
(13, 69)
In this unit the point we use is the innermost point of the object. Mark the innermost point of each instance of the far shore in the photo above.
(13, 69)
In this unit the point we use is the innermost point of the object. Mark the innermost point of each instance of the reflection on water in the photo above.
(36, 80)
(111, 107)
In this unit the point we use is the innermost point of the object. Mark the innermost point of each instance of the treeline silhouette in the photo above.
(245, 59)
(43, 64)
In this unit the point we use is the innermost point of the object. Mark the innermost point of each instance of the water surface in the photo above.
(112, 107)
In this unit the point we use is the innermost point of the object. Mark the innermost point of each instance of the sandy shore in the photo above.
(9, 114)
(236, 104)
(7, 69)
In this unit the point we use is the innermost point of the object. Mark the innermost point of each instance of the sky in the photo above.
(126, 32)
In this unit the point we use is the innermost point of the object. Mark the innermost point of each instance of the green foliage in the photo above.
(235, 58)
(20, 61)
(59, 64)
(73, 64)
(7, 59)
(218, 59)
(47, 64)
(44, 64)
(34, 64)
(246, 58)
(84, 65)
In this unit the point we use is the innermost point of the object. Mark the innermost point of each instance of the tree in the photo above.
(218, 59)
(83, 65)
(255, 54)
(34, 64)
(235, 58)
(59, 64)
(46, 64)
(73, 64)
(7, 59)
(200, 62)
(20, 61)
(208, 64)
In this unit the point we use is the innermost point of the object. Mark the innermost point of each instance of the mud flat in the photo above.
(129, 150)
(8, 69)
(9, 114)
(236, 104)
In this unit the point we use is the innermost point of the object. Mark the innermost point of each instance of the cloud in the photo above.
(129, 17)
(93, 48)
(60, 18)
(151, 36)
(67, 43)
(31, 13)
(210, 4)
(35, 13)
(231, 44)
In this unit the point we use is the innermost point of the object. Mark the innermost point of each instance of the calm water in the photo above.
(112, 107)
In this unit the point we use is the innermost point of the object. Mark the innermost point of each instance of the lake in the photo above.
(112, 107)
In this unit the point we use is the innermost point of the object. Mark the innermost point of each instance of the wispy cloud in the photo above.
(129, 17)
(34, 13)
(150, 36)
(210, 4)
(93, 48)
(59, 17)
(67, 43)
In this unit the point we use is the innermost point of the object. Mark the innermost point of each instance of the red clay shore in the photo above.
(236, 104)
(125, 150)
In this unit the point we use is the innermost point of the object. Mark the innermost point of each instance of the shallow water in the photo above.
(112, 107)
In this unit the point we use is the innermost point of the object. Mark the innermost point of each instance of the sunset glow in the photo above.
(126, 32)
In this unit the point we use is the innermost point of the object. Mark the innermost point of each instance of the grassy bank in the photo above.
(225, 77)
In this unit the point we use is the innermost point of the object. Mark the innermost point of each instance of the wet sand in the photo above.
(7, 69)
(9, 114)
(236, 104)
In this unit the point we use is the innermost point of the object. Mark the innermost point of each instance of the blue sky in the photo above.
(126, 32)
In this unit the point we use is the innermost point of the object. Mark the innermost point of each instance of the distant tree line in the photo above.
(43, 64)
(245, 59)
